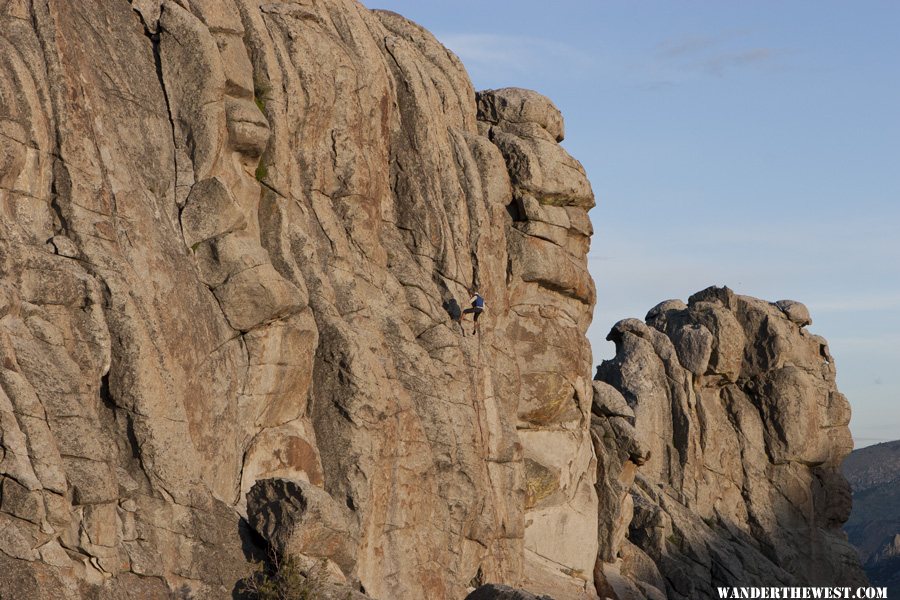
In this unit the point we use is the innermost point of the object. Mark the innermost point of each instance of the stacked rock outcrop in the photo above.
(743, 429)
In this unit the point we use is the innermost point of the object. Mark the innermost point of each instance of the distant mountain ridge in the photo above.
(874, 524)
(873, 465)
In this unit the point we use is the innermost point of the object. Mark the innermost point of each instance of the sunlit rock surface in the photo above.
(235, 237)
(744, 430)
(236, 240)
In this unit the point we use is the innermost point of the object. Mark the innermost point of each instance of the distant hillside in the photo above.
(874, 524)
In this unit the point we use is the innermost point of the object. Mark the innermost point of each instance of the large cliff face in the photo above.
(235, 235)
(235, 238)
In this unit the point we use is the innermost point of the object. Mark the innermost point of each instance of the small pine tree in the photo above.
(283, 578)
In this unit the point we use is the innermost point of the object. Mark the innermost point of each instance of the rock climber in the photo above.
(476, 309)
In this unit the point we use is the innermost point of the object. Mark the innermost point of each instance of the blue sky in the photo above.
(748, 144)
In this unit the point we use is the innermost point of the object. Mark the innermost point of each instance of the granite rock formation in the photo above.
(235, 236)
(234, 240)
(731, 405)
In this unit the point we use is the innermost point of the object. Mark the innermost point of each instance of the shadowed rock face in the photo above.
(230, 233)
(736, 413)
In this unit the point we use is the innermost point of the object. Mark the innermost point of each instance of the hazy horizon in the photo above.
(753, 145)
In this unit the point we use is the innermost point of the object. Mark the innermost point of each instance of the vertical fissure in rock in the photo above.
(157, 62)
(62, 225)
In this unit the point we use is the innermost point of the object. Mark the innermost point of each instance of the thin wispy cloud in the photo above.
(655, 86)
(721, 64)
(487, 54)
(875, 301)
(491, 57)
(705, 55)
(676, 48)
(883, 343)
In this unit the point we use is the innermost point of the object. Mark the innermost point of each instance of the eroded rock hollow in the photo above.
(235, 241)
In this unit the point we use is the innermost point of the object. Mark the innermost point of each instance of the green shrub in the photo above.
(284, 578)
(261, 96)
(261, 171)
